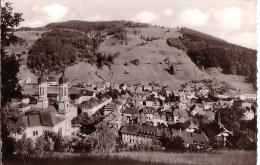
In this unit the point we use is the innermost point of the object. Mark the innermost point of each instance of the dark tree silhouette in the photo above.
(9, 65)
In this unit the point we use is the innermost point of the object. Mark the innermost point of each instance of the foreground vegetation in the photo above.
(227, 157)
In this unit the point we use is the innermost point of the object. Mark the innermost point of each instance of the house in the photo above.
(136, 134)
(192, 140)
(248, 97)
(208, 105)
(109, 108)
(93, 105)
(130, 115)
(187, 126)
(204, 92)
(218, 132)
(131, 89)
(53, 97)
(226, 102)
(107, 85)
(139, 89)
(147, 88)
(117, 86)
(180, 115)
(85, 95)
(246, 105)
(152, 101)
(194, 109)
(208, 115)
(248, 115)
(149, 113)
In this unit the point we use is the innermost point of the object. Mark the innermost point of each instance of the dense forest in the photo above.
(69, 42)
(209, 51)
(96, 26)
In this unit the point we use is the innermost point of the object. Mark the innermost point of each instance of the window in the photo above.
(35, 133)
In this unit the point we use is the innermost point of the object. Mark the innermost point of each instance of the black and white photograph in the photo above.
(129, 82)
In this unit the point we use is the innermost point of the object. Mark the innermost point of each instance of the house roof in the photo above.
(151, 98)
(183, 126)
(41, 118)
(52, 94)
(89, 104)
(180, 112)
(110, 107)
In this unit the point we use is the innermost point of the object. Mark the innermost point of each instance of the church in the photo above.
(44, 117)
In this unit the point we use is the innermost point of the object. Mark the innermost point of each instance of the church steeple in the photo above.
(63, 94)
(43, 91)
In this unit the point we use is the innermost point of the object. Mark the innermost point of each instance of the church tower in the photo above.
(64, 104)
(42, 89)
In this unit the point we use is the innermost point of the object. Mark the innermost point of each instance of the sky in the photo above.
(231, 20)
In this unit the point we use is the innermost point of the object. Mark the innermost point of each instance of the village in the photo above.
(139, 114)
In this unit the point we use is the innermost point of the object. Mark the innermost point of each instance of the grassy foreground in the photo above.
(228, 157)
(225, 157)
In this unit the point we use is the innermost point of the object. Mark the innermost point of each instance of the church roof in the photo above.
(41, 118)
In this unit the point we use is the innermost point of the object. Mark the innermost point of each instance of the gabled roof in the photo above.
(89, 104)
(184, 126)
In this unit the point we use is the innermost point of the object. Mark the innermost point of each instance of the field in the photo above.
(223, 157)
(142, 158)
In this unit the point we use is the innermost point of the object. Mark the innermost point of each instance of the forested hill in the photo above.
(69, 42)
(207, 51)
(125, 51)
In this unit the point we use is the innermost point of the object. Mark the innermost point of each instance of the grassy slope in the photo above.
(235, 80)
(150, 55)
